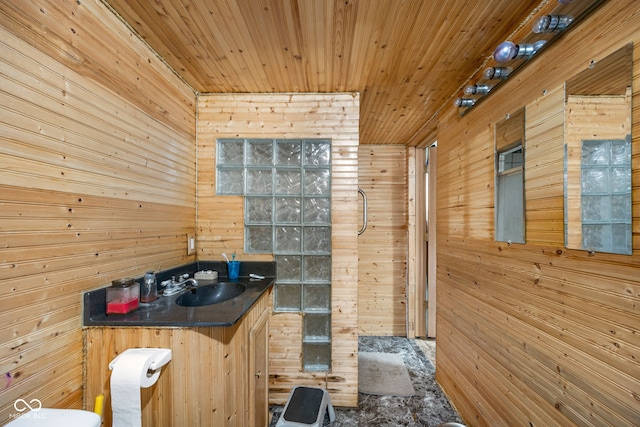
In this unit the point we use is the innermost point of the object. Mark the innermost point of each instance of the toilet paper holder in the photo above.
(161, 356)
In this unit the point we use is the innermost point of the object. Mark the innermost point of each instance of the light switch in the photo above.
(191, 244)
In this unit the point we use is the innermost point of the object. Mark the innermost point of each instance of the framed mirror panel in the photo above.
(598, 141)
(509, 179)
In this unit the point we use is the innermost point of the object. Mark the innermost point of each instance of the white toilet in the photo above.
(57, 418)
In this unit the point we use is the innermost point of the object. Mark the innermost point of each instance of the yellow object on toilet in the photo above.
(99, 404)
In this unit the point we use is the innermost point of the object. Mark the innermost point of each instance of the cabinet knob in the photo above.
(258, 374)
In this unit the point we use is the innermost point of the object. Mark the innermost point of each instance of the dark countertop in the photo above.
(164, 312)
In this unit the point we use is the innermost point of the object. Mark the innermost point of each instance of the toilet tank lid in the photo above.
(55, 418)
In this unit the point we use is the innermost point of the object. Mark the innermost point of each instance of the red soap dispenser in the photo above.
(123, 296)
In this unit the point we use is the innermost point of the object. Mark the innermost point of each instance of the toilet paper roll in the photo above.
(130, 373)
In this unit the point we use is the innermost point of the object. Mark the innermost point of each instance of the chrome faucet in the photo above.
(194, 283)
(172, 286)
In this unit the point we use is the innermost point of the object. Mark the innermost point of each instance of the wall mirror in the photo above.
(597, 138)
(509, 171)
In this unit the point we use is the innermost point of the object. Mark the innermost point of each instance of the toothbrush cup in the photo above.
(233, 268)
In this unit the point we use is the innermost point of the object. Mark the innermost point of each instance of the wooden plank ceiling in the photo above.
(407, 58)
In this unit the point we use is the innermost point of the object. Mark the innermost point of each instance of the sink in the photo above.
(211, 294)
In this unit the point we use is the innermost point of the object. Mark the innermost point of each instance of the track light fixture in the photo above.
(547, 28)
(464, 102)
(506, 51)
(478, 89)
(492, 73)
(551, 23)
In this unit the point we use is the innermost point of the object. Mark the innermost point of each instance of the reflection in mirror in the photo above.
(598, 156)
(509, 149)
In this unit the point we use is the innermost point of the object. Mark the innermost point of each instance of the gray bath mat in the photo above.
(383, 374)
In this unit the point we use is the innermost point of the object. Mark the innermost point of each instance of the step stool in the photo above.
(306, 407)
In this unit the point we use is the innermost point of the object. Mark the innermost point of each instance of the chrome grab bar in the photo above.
(364, 211)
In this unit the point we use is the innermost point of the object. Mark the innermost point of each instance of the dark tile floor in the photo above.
(428, 407)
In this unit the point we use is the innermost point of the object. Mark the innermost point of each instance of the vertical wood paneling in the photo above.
(97, 182)
(432, 268)
(382, 248)
(535, 334)
(220, 218)
(416, 244)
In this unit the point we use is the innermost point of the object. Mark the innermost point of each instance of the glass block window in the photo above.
(286, 184)
(606, 195)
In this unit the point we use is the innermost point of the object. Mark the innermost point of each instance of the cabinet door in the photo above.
(259, 363)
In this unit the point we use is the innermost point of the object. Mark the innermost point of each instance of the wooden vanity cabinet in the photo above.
(218, 376)
(259, 363)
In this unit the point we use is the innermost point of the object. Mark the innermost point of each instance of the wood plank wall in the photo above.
(220, 220)
(417, 242)
(382, 248)
(97, 182)
(535, 334)
(544, 158)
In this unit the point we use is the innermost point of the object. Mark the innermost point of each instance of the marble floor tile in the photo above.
(428, 347)
(428, 407)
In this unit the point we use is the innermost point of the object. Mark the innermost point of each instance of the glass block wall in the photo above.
(606, 195)
(286, 184)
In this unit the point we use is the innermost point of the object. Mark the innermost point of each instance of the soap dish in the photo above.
(206, 275)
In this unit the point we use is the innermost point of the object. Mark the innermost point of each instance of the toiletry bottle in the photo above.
(149, 291)
(123, 296)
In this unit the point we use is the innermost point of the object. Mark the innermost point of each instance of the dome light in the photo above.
(477, 89)
(506, 51)
(464, 102)
(551, 23)
(496, 73)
